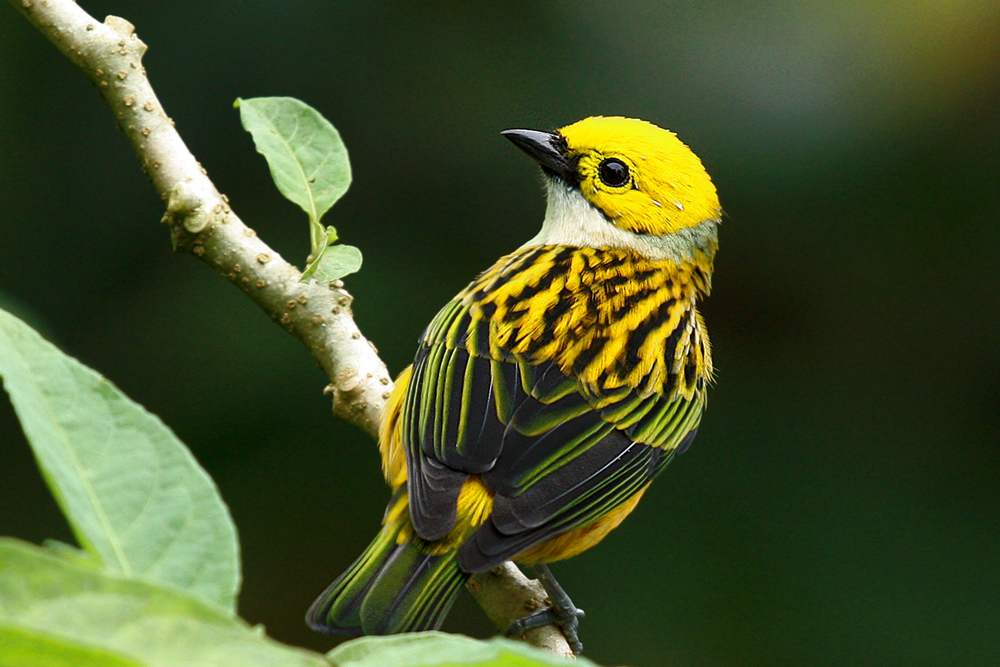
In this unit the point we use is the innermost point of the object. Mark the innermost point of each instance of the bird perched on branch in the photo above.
(547, 395)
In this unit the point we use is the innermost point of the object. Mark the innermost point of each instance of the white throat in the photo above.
(570, 220)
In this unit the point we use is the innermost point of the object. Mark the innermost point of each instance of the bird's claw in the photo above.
(568, 621)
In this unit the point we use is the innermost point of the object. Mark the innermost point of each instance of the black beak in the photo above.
(548, 148)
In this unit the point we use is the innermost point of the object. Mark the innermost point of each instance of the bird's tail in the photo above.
(395, 586)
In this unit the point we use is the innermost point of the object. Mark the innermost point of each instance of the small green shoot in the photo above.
(309, 164)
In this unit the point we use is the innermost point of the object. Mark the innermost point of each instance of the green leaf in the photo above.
(132, 492)
(307, 158)
(73, 607)
(28, 649)
(438, 649)
(334, 263)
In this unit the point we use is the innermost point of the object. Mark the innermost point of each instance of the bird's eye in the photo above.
(613, 172)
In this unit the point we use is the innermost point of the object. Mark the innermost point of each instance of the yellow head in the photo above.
(623, 182)
(639, 175)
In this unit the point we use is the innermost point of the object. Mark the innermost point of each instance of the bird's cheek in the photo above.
(632, 212)
(606, 203)
(589, 189)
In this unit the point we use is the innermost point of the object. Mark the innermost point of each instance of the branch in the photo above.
(201, 222)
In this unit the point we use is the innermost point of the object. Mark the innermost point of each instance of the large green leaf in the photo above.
(21, 648)
(438, 649)
(71, 606)
(132, 492)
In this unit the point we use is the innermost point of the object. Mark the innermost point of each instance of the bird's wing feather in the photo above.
(553, 458)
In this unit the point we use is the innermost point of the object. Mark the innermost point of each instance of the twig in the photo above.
(202, 223)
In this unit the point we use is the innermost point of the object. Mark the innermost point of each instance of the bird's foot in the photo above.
(568, 622)
(562, 613)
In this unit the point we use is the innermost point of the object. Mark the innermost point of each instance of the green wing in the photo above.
(535, 436)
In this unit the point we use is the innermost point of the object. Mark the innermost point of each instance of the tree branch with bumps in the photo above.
(202, 222)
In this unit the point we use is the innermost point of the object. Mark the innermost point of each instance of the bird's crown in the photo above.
(642, 177)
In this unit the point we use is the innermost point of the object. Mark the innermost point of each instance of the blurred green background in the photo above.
(842, 503)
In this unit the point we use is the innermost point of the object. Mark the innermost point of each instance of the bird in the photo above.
(546, 396)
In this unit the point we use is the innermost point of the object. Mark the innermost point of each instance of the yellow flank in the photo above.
(475, 502)
(390, 433)
(669, 190)
(577, 541)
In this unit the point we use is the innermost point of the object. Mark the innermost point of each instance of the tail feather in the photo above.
(391, 588)
(337, 610)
